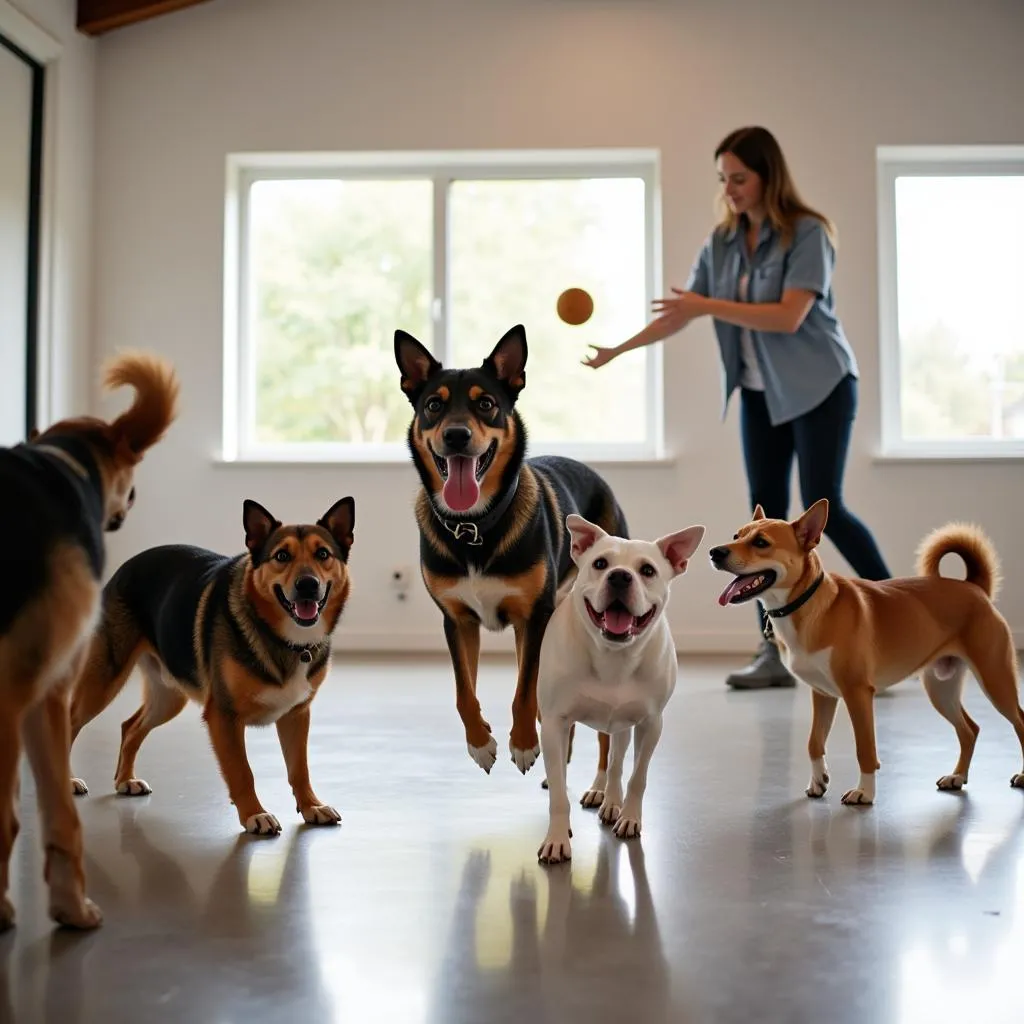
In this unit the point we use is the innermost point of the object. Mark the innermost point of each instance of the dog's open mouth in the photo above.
(745, 587)
(305, 612)
(462, 475)
(617, 622)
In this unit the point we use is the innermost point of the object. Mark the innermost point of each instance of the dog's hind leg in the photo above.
(161, 701)
(10, 752)
(47, 735)
(611, 807)
(113, 651)
(648, 733)
(994, 662)
(944, 684)
(594, 795)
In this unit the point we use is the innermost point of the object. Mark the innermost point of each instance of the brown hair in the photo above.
(758, 149)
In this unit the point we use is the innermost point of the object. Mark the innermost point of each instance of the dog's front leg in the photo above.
(523, 742)
(823, 713)
(860, 703)
(555, 744)
(463, 636)
(293, 733)
(648, 732)
(227, 734)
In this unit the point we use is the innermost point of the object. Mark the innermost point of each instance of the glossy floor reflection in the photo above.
(743, 901)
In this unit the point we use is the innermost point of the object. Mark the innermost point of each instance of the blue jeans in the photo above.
(820, 440)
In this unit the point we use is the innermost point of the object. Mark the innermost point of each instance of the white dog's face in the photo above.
(622, 586)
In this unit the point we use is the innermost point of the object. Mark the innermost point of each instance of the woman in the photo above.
(765, 276)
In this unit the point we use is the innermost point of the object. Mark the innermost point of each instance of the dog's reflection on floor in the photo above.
(580, 947)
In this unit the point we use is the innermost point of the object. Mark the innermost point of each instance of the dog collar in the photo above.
(788, 609)
(65, 457)
(472, 530)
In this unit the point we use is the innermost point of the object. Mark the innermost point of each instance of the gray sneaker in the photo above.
(765, 670)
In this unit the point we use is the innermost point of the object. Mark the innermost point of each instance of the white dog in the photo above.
(608, 661)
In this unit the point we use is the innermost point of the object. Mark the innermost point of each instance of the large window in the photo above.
(326, 257)
(951, 267)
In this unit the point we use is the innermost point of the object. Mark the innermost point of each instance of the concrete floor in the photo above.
(743, 901)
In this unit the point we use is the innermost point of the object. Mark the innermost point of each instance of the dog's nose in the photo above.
(307, 587)
(457, 437)
(718, 555)
(620, 579)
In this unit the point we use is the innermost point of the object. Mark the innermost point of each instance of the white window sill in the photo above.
(939, 455)
(376, 458)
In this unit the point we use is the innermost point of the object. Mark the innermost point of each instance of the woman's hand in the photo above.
(684, 307)
(600, 356)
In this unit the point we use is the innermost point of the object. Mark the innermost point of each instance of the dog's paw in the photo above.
(609, 811)
(486, 755)
(524, 760)
(320, 814)
(134, 787)
(78, 787)
(857, 798)
(262, 824)
(556, 847)
(819, 779)
(627, 825)
(952, 782)
(1017, 781)
(76, 913)
(6, 914)
(594, 796)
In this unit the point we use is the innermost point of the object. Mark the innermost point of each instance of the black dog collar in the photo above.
(788, 609)
(472, 530)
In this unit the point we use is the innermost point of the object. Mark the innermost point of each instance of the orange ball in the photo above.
(575, 306)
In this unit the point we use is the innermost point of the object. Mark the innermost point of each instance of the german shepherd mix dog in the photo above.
(61, 490)
(494, 549)
(247, 636)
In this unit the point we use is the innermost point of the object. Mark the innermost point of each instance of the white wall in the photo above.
(66, 321)
(833, 80)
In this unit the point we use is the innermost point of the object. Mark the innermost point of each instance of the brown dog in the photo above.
(61, 490)
(850, 637)
(248, 636)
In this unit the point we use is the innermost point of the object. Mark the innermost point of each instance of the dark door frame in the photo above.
(35, 201)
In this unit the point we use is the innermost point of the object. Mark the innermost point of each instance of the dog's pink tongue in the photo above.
(461, 491)
(617, 620)
(732, 590)
(306, 610)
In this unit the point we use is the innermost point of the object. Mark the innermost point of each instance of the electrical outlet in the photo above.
(401, 578)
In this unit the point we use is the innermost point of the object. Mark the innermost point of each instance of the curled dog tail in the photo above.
(156, 398)
(972, 545)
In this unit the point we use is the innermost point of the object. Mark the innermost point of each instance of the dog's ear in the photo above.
(584, 535)
(758, 513)
(508, 361)
(259, 525)
(810, 526)
(339, 521)
(415, 362)
(33, 434)
(678, 548)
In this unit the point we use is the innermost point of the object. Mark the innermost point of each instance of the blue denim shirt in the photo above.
(800, 370)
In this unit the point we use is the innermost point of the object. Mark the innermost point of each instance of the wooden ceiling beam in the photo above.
(98, 16)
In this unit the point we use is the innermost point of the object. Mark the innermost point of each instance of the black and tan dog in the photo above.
(60, 492)
(247, 636)
(494, 550)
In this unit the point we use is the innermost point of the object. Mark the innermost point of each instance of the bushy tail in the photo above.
(972, 545)
(156, 398)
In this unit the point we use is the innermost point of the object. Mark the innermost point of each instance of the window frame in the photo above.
(243, 169)
(893, 162)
